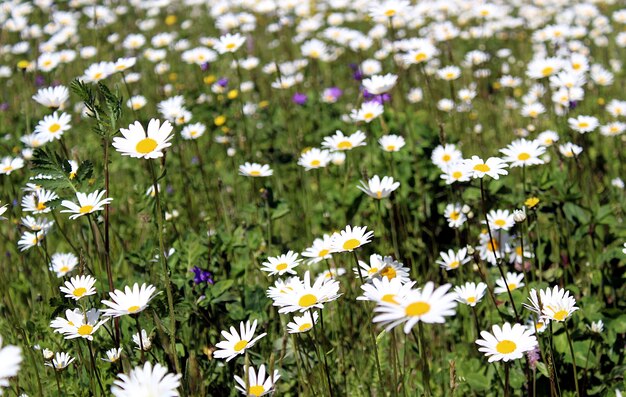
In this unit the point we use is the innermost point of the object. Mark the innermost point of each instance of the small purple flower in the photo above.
(202, 276)
(299, 98)
(40, 80)
(195, 160)
(223, 82)
(4, 106)
(205, 66)
(533, 357)
(332, 94)
(169, 189)
(573, 105)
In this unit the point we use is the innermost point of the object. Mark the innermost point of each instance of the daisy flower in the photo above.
(570, 150)
(193, 131)
(379, 188)
(391, 143)
(492, 250)
(53, 126)
(506, 343)
(379, 84)
(351, 238)
(78, 324)
(382, 267)
(36, 202)
(426, 304)
(470, 293)
(147, 381)
(136, 102)
(385, 290)
(597, 327)
(547, 138)
(302, 323)
(257, 384)
(10, 164)
(113, 355)
(314, 158)
(130, 301)
(453, 260)
(138, 143)
(389, 8)
(583, 124)
(29, 240)
(557, 304)
(281, 264)
(541, 68)
(319, 251)
(449, 73)
(455, 172)
(493, 167)
(612, 129)
(237, 343)
(87, 203)
(368, 112)
(339, 141)
(10, 362)
(424, 52)
(229, 43)
(332, 273)
(63, 263)
(255, 170)
(60, 361)
(513, 281)
(52, 97)
(523, 153)
(454, 215)
(500, 219)
(78, 287)
(302, 296)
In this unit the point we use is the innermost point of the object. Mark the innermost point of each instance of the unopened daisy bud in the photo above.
(596, 327)
(470, 250)
(231, 151)
(470, 215)
(466, 209)
(519, 216)
(47, 354)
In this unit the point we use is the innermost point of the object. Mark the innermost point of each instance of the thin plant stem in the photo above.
(142, 354)
(168, 284)
(571, 350)
(507, 369)
(93, 367)
(318, 344)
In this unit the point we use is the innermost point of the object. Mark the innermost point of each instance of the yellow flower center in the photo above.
(7, 168)
(420, 56)
(41, 206)
(315, 163)
(368, 115)
(523, 156)
(471, 299)
(97, 76)
(511, 286)
(373, 270)
(133, 309)
(391, 148)
(482, 168)
(256, 390)
(351, 244)
(446, 157)
(323, 253)
(344, 145)
(506, 346)
(417, 309)
(389, 298)
(281, 266)
(560, 315)
(518, 251)
(454, 264)
(493, 246)
(547, 71)
(307, 300)
(390, 13)
(500, 222)
(54, 127)
(239, 346)
(379, 194)
(85, 329)
(136, 105)
(583, 125)
(230, 46)
(64, 269)
(389, 272)
(255, 173)
(449, 75)
(455, 215)
(85, 209)
(305, 327)
(79, 292)
(457, 174)
(146, 145)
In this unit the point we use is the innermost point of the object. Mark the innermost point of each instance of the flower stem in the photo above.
(168, 285)
(571, 350)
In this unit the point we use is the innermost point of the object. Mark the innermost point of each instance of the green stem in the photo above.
(571, 350)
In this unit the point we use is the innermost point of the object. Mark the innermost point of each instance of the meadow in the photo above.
(314, 198)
